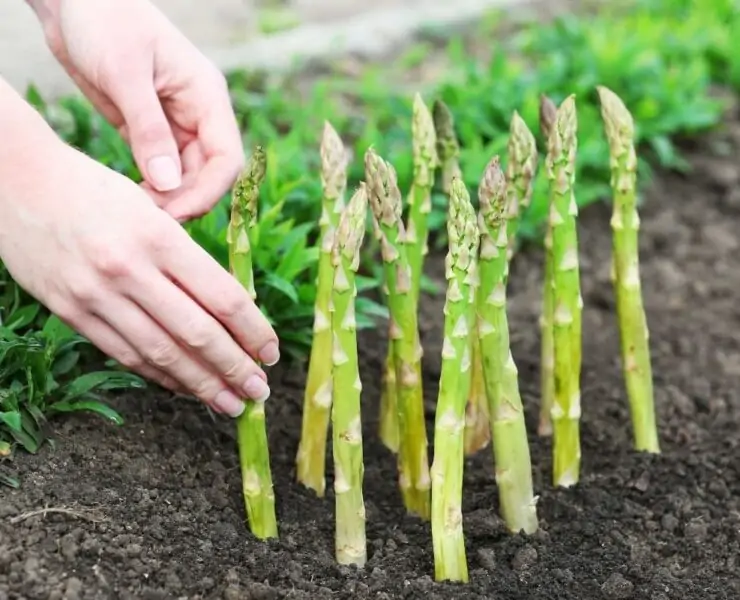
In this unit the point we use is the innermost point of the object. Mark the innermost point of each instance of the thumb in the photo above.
(150, 135)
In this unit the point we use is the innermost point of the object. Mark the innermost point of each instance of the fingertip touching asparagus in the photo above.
(520, 171)
(311, 457)
(567, 301)
(350, 541)
(625, 223)
(385, 201)
(450, 561)
(508, 428)
(548, 113)
(254, 451)
(477, 428)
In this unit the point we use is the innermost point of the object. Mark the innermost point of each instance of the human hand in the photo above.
(128, 277)
(166, 99)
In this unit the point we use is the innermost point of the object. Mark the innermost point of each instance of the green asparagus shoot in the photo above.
(448, 148)
(477, 428)
(450, 562)
(508, 429)
(350, 542)
(254, 451)
(625, 223)
(566, 296)
(311, 458)
(386, 204)
(520, 172)
(548, 113)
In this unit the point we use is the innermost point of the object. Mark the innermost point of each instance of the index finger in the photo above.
(198, 274)
(220, 143)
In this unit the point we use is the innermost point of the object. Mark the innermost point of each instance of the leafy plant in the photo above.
(40, 377)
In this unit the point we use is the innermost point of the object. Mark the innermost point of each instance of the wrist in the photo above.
(29, 143)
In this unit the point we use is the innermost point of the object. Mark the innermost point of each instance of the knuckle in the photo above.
(162, 354)
(111, 262)
(231, 306)
(235, 371)
(131, 360)
(198, 336)
(206, 389)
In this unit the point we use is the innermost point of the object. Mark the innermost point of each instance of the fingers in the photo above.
(219, 141)
(152, 142)
(161, 352)
(203, 279)
(107, 340)
(199, 333)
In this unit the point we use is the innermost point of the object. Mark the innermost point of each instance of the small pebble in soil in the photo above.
(617, 587)
(487, 558)
(696, 530)
(524, 559)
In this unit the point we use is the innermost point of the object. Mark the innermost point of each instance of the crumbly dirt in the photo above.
(155, 508)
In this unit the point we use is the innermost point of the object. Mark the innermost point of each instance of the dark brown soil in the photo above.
(156, 503)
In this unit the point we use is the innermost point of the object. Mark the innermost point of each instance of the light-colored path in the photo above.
(226, 30)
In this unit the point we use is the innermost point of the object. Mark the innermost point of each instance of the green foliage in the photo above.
(40, 377)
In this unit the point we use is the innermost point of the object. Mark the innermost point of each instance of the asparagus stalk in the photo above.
(520, 172)
(508, 429)
(625, 223)
(548, 112)
(424, 150)
(350, 542)
(385, 201)
(254, 451)
(566, 296)
(450, 562)
(311, 457)
(477, 430)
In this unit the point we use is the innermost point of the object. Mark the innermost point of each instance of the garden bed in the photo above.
(154, 510)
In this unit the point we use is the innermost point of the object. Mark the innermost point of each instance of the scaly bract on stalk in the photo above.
(548, 113)
(625, 223)
(477, 428)
(508, 429)
(385, 201)
(311, 458)
(566, 296)
(350, 542)
(254, 451)
(450, 561)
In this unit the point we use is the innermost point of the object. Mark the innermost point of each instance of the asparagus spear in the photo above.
(254, 451)
(448, 149)
(477, 429)
(385, 201)
(520, 171)
(508, 429)
(566, 296)
(450, 562)
(423, 141)
(311, 458)
(625, 223)
(350, 543)
(548, 112)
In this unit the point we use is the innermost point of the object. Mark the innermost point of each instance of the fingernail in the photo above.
(270, 354)
(229, 403)
(257, 389)
(164, 173)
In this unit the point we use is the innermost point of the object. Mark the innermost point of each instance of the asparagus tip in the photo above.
(333, 162)
(548, 111)
(492, 194)
(619, 124)
(424, 141)
(245, 192)
(351, 230)
(382, 189)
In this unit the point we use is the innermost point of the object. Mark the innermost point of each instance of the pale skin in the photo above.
(109, 256)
